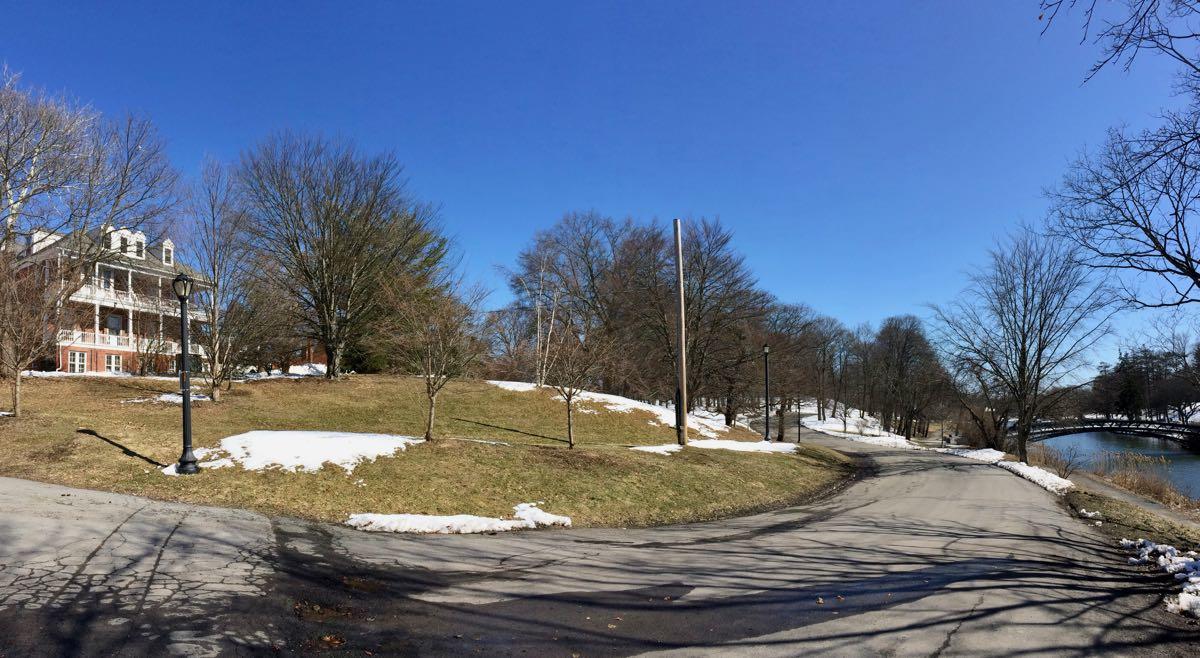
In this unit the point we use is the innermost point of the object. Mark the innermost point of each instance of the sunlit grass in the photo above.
(600, 482)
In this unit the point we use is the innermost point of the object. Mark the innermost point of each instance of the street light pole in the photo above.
(681, 392)
(767, 392)
(187, 461)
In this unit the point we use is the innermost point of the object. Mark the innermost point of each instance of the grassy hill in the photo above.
(84, 432)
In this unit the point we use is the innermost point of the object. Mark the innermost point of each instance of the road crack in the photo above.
(950, 636)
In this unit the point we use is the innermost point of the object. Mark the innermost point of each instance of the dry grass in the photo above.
(1122, 520)
(600, 482)
(1063, 461)
(1143, 475)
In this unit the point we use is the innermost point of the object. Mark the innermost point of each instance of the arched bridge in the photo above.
(1188, 435)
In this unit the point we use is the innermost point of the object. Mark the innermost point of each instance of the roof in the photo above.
(151, 262)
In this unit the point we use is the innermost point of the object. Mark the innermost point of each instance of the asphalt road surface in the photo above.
(924, 555)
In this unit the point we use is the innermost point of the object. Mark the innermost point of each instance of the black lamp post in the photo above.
(187, 461)
(767, 392)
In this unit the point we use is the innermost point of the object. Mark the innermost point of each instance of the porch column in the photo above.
(96, 324)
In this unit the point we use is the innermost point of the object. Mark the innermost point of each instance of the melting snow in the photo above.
(664, 449)
(294, 372)
(44, 374)
(517, 387)
(300, 450)
(988, 455)
(1185, 566)
(721, 444)
(1039, 476)
(702, 421)
(169, 398)
(526, 516)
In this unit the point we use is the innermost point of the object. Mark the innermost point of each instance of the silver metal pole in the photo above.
(682, 405)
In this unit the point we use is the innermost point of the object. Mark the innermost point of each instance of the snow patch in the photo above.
(1091, 515)
(301, 450)
(989, 455)
(201, 454)
(705, 423)
(885, 439)
(1039, 476)
(721, 444)
(1185, 566)
(664, 449)
(516, 387)
(51, 374)
(294, 372)
(169, 398)
(526, 516)
(308, 370)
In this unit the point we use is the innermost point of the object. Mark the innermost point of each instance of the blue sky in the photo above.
(866, 154)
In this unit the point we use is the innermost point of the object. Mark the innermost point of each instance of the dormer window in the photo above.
(124, 245)
(139, 249)
(168, 256)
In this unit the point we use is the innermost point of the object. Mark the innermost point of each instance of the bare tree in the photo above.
(150, 349)
(984, 399)
(234, 319)
(1026, 323)
(580, 355)
(335, 225)
(1132, 208)
(68, 178)
(436, 336)
(1126, 29)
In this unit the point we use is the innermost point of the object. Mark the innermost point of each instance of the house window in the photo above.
(112, 362)
(140, 249)
(124, 245)
(76, 361)
(168, 255)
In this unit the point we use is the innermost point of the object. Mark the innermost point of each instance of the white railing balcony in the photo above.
(97, 291)
(124, 341)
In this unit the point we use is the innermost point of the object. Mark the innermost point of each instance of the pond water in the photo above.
(1183, 468)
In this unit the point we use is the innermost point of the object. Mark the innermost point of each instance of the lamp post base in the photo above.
(187, 464)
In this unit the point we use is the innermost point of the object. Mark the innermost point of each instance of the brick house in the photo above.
(125, 316)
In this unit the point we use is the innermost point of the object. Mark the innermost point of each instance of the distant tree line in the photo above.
(611, 283)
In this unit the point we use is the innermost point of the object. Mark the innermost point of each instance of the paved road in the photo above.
(927, 555)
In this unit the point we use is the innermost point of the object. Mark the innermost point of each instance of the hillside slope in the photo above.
(497, 448)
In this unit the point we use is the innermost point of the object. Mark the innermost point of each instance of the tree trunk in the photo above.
(16, 394)
(570, 426)
(730, 413)
(1023, 442)
(333, 361)
(429, 418)
(214, 391)
(779, 432)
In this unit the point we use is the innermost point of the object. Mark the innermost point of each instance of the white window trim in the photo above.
(111, 360)
(72, 362)
(168, 256)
